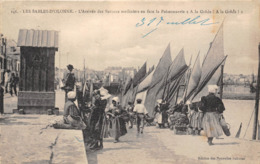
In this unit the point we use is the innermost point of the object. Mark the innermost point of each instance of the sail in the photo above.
(152, 95)
(150, 70)
(162, 67)
(128, 96)
(139, 75)
(132, 99)
(173, 90)
(186, 81)
(177, 66)
(145, 83)
(194, 78)
(214, 58)
(157, 82)
(214, 80)
(127, 85)
(177, 69)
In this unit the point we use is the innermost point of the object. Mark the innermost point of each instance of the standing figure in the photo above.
(7, 79)
(13, 83)
(97, 119)
(158, 113)
(213, 107)
(141, 112)
(164, 109)
(129, 109)
(196, 118)
(117, 127)
(69, 81)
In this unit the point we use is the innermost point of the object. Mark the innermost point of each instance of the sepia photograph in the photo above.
(129, 82)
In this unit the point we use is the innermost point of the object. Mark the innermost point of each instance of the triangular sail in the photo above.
(150, 70)
(211, 79)
(127, 85)
(157, 81)
(214, 58)
(177, 66)
(162, 67)
(139, 75)
(128, 96)
(194, 78)
(177, 69)
(145, 84)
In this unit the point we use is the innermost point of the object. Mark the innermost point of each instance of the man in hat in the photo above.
(140, 111)
(69, 81)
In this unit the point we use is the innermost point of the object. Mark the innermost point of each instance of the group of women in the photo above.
(103, 120)
(203, 115)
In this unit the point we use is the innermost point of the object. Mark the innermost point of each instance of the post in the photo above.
(59, 71)
(221, 81)
(257, 98)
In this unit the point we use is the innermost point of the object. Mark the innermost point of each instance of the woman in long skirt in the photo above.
(196, 118)
(97, 119)
(117, 125)
(212, 107)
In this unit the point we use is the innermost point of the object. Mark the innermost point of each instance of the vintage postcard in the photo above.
(129, 82)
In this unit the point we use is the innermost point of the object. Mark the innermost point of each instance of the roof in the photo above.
(38, 38)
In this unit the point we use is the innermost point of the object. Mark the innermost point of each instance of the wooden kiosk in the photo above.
(36, 85)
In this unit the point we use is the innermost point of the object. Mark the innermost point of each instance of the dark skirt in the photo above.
(105, 128)
(117, 127)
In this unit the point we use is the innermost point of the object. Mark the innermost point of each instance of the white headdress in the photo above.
(104, 93)
(159, 101)
(116, 99)
(71, 95)
(212, 88)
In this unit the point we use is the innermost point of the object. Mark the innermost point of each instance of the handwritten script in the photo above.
(156, 22)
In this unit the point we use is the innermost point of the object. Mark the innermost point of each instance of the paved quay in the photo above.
(163, 146)
(27, 139)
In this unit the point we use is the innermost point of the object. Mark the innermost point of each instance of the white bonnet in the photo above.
(212, 88)
(71, 95)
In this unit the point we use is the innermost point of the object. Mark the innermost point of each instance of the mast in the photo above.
(187, 80)
(257, 98)
(59, 72)
(221, 81)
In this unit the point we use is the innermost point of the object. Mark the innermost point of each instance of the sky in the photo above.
(115, 39)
